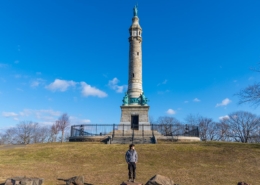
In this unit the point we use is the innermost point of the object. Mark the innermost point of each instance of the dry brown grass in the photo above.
(186, 163)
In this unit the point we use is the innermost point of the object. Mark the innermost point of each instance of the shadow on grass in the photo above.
(66, 183)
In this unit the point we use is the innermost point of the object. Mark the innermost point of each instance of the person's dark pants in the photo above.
(131, 170)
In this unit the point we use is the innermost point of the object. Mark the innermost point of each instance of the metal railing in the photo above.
(142, 130)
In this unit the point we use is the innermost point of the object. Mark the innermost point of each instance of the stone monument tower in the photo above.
(134, 111)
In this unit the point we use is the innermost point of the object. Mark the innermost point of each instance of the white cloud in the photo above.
(186, 101)
(60, 85)
(113, 84)
(77, 121)
(9, 114)
(171, 111)
(87, 90)
(164, 82)
(224, 102)
(223, 117)
(84, 121)
(63, 85)
(37, 82)
(47, 116)
(196, 100)
(12, 115)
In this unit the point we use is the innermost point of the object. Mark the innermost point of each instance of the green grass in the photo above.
(186, 163)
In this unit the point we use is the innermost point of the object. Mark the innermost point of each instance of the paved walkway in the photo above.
(4, 147)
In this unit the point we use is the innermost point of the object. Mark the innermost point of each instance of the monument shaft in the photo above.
(135, 88)
(134, 111)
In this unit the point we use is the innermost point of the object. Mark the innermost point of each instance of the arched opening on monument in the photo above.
(135, 122)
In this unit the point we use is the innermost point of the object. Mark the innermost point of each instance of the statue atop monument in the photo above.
(144, 100)
(135, 11)
(125, 99)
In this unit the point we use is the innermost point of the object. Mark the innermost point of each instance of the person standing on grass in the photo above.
(131, 158)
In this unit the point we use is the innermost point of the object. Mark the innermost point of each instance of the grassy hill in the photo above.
(186, 163)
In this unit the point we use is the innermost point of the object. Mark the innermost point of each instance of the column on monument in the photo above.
(135, 62)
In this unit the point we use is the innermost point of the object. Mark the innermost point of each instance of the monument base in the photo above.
(134, 117)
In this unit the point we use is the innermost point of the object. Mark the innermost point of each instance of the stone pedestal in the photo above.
(131, 183)
(134, 110)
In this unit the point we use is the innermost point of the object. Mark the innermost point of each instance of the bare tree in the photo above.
(67, 136)
(255, 138)
(222, 129)
(36, 134)
(25, 131)
(169, 125)
(54, 131)
(63, 123)
(41, 134)
(207, 128)
(242, 125)
(1, 139)
(192, 119)
(250, 94)
(9, 137)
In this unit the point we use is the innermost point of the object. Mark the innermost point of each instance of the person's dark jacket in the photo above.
(131, 156)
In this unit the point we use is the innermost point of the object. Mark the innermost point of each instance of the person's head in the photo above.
(131, 146)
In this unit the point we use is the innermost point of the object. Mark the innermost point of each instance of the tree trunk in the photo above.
(62, 134)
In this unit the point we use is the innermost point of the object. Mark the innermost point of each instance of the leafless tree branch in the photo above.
(251, 94)
(63, 123)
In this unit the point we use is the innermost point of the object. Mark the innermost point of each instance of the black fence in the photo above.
(141, 130)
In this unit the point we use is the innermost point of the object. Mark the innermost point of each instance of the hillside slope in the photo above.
(186, 163)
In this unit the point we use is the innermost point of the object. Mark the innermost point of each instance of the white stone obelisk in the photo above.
(134, 111)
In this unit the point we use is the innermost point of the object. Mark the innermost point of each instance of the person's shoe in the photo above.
(129, 180)
(133, 180)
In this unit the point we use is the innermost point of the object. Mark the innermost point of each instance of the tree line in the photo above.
(240, 126)
(28, 132)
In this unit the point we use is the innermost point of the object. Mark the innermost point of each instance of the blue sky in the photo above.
(72, 56)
